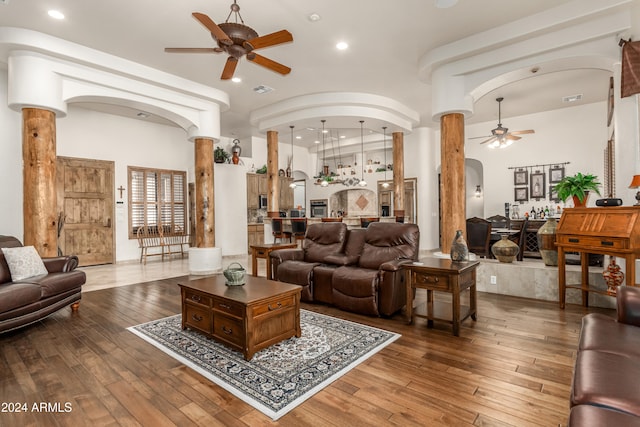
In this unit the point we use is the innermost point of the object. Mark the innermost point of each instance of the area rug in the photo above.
(280, 377)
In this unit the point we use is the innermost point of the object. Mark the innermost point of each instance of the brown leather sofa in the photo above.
(605, 389)
(29, 300)
(357, 270)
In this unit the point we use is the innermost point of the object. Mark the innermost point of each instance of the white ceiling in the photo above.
(386, 40)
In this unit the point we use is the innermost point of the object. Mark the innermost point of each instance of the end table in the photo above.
(442, 275)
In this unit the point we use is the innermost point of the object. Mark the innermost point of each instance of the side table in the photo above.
(442, 275)
(263, 251)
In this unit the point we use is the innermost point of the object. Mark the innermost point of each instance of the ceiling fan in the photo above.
(500, 136)
(238, 40)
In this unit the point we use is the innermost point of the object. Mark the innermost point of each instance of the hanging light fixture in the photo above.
(362, 182)
(325, 169)
(293, 184)
(385, 184)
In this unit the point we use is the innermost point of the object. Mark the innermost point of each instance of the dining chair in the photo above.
(365, 221)
(298, 228)
(277, 230)
(520, 238)
(498, 221)
(479, 236)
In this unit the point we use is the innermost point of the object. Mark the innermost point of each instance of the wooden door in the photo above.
(85, 205)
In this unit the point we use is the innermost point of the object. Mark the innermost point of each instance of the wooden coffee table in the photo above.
(247, 318)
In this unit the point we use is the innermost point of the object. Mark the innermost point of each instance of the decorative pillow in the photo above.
(24, 262)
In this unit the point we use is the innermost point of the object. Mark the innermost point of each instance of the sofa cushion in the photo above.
(588, 415)
(24, 262)
(608, 380)
(323, 239)
(386, 241)
(56, 283)
(603, 333)
(356, 289)
(14, 295)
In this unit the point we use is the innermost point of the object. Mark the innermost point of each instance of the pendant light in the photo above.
(323, 175)
(293, 184)
(385, 184)
(362, 182)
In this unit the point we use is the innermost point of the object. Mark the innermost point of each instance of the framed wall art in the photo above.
(537, 185)
(520, 194)
(553, 194)
(520, 178)
(556, 173)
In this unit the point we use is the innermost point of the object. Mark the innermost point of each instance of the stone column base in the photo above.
(205, 260)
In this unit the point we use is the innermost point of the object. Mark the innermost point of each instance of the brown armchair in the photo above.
(479, 236)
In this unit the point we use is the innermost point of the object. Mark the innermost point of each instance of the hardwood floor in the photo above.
(510, 368)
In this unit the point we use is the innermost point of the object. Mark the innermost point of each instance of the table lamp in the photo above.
(635, 183)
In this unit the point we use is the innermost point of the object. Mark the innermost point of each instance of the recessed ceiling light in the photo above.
(298, 137)
(572, 98)
(314, 17)
(343, 136)
(316, 142)
(56, 14)
(142, 115)
(262, 89)
(342, 45)
(236, 79)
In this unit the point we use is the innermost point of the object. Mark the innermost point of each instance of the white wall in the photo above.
(10, 166)
(577, 135)
(127, 142)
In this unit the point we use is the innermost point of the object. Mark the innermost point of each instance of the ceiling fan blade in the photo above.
(192, 50)
(480, 137)
(512, 137)
(217, 32)
(268, 63)
(229, 68)
(493, 138)
(279, 37)
(522, 132)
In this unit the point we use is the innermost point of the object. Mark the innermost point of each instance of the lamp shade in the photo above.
(635, 182)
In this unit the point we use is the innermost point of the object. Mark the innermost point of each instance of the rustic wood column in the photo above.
(40, 211)
(273, 181)
(398, 174)
(205, 205)
(452, 183)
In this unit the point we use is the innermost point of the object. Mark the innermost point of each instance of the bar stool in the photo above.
(277, 230)
(298, 228)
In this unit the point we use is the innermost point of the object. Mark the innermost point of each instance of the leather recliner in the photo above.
(29, 300)
(357, 270)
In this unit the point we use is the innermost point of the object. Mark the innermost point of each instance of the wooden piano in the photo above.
(607, 231)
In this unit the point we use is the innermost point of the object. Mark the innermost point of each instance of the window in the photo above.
(157, 199)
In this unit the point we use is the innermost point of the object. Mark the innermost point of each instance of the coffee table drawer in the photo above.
(274, 305)
(198, 318)
(228, 329)
(228, 307)
(431, 281)
(197, 298)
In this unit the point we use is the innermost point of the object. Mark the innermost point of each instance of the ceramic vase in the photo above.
(613, 276)
(547, 242)
(459, 248)
(505, 250)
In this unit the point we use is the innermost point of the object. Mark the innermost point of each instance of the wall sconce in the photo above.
(478, 191)
(635, 183)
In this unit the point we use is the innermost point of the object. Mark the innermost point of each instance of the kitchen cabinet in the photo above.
(255, 235)
(257, 184)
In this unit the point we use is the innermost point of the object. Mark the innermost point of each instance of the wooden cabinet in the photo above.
(257, 184)
(608, 231)
(531, 249)
(255, 235)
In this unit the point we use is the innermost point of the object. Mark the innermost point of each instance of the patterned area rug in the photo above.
(280, 377)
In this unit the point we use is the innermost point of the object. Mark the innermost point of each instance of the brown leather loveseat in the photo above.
(28, 300)
(605, 389)
(357, 270)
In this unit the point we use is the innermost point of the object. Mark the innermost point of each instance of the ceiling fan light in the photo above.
(494, 144)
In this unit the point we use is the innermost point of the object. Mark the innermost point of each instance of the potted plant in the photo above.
(220, 156)
(578, 187)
